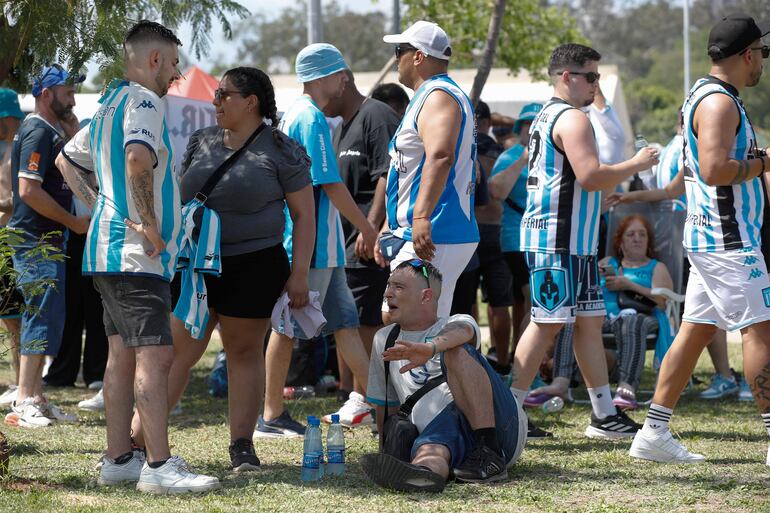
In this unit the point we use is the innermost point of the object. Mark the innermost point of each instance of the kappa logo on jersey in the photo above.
(750, 260)
(146, 104)
(34, 161)
(755, 273)
(550, 287)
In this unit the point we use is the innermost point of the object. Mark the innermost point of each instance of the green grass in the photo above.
(53, 468)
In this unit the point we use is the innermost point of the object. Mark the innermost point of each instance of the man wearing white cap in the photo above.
(431, 180)
(321, 69)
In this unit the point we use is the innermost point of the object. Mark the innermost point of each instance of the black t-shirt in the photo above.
(35, 148)
(362, 157)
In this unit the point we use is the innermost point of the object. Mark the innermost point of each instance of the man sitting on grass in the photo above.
(471, 423)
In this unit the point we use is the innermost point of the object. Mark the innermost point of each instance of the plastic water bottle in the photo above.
(640, 142)
(335, 448)
(647, 175)
(553, 404)
(303, 392)
(312, 459)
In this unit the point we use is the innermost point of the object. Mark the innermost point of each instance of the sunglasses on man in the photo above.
(401, 50)
(591, 76)
(765, 49)
(420, 264)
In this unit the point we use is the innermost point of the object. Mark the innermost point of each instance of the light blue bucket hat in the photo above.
(528, 113)
(318, 60)
(9, 104)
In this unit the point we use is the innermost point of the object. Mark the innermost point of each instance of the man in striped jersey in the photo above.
(559, 232)
(430, 189)
(728, 286)
(131, 251)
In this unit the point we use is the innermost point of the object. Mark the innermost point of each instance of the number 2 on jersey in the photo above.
(535, 142)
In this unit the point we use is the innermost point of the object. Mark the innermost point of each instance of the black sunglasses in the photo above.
(591, 76)
(765, 50)
(420, 264)
(219, 94)
(401, 50)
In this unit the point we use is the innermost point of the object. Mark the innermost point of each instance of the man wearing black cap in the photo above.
(41, 207)
(729, 286)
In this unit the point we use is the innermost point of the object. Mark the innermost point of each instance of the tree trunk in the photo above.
(488, 57)
(5, 452)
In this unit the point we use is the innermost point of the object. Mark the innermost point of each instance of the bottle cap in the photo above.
(313, 421)
(335, 418)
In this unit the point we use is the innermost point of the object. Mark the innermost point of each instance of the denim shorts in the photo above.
(339, 305)
(42, 318)
(451, 429)
(137, 308)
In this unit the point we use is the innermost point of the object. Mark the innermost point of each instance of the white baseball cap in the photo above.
(427, 37)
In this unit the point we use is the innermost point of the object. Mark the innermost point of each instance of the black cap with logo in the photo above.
(733, 34)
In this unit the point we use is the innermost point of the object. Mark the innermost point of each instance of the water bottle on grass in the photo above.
(312, 459)
(335, 448)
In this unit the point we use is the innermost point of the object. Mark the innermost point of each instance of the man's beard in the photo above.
(62, 111)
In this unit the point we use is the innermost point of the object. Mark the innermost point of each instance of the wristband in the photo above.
(420, 217)
(434, 349)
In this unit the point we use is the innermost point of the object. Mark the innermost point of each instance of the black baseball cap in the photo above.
(733, 34)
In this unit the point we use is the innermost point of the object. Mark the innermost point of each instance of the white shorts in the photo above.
(449, 259)
(729, 289)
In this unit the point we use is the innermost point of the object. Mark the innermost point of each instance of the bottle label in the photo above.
(336, 456)
(311, 461)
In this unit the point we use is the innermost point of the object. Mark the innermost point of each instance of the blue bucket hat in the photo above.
(51, 76)
(9, 104)
(318, 60)
(528, 113)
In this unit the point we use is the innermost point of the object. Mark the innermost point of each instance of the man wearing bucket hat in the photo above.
(322, 71)
(431, 181)
(42, 205)
(508, 184)
(10, 120)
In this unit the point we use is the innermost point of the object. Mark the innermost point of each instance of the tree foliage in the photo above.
(71, 32)
(272, 45)
(529, 30)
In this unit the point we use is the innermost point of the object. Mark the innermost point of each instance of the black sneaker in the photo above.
(536, 433)
(392, 473)
(242, 456)
(612, 427)
(482, 465)
(282, 426)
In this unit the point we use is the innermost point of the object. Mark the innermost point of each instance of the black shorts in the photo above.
(495, 275)
(137, 308)
(517, 264)
(368, 287)
(11, 300)
(466, 288)
(249, 286)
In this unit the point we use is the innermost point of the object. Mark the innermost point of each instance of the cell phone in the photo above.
(607, 270)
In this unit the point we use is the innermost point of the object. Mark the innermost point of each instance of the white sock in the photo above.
(601, 402)
(766, 420)
(520, 395)
(657, 419)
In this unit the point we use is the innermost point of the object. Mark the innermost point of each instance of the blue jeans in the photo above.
(42, 321)
(451, 428)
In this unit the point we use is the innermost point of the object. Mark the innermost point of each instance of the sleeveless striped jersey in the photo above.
(561, 216)
(669, 165)
(453, 220)
(129, 114)
(723, 217)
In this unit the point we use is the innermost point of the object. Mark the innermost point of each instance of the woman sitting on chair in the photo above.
(633, 311)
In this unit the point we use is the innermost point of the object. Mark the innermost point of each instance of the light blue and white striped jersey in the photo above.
(670, 164)
(723, 217)
(129, 114)
(453, 220)
(561, 216)
(197, 256)
(515, 203)
(305, 123)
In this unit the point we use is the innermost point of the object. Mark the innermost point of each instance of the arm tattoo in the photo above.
(144, 198)
(743, 172)
(760, 386)
(84, 188)
(455, 327)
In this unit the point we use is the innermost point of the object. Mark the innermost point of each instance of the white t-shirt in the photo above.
(401, 386)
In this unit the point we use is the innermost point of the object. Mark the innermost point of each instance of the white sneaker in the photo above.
(95, 403)
(9, 396)
(174, 477)
(28, 414)
(355, 412)
(662, 448)
(54, 412)
(110, 473)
